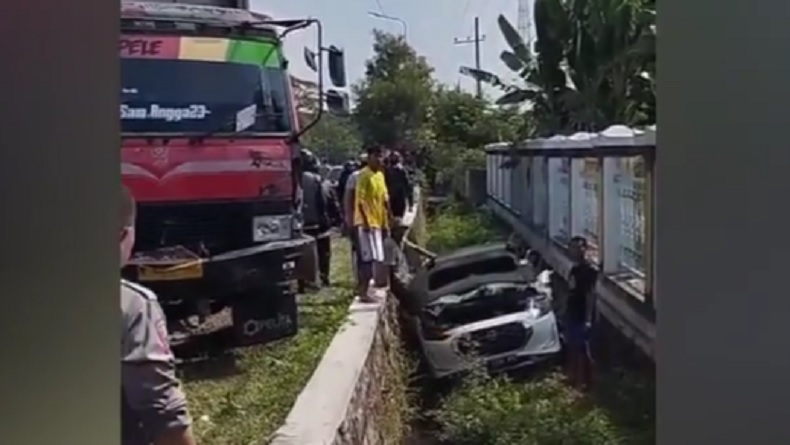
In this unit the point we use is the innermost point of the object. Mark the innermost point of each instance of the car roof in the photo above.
(523, 275)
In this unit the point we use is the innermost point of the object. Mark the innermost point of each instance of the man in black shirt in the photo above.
(401, 192)
(340, 191)
(578, 315)
(317, 209)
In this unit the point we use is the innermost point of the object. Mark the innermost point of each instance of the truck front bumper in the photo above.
(251, 270)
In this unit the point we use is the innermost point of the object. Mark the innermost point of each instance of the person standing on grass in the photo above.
(153, 406)
(317, 220)
(372, 219)
(347, 202)
(349, 186)
(401, 191)
(342, 182)
(579, 312)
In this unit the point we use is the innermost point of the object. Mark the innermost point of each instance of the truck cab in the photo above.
(210, 151)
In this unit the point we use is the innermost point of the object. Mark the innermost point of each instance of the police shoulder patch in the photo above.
(142, 291)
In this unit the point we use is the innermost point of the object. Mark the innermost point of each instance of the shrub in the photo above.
(451, 227)
(497, 411)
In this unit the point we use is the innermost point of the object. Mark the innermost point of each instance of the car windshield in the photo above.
(487, 264)
(179, 95)
(486, 302)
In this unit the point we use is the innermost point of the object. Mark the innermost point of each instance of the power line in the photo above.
(476, 41)
(481, 13)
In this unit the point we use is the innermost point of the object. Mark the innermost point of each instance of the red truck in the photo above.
(210, 150)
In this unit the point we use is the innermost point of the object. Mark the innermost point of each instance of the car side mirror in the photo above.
(337, 66)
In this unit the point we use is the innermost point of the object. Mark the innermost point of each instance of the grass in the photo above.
(451, 226)
(497, 411)
(629, 399)
(260, 384)
(546, 411)
(398, 407)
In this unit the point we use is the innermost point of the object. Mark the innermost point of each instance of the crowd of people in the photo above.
(370, 198)
(375, 194)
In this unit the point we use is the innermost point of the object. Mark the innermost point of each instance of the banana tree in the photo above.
(593, 65)
(611, 62)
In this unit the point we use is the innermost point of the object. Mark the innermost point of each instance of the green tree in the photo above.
(463, 124)
(334, 138)
(463, 120)
(593, 65)
(393, 100)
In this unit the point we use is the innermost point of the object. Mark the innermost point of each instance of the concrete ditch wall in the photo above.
(345, 402)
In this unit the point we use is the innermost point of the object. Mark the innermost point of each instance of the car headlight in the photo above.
(538, 307)
(271, 228)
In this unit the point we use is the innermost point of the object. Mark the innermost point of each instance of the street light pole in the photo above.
(379, 15)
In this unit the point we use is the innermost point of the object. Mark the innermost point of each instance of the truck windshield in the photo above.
(188, 96)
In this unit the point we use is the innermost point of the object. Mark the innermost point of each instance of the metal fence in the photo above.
(597, 185)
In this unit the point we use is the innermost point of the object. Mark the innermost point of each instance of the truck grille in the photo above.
(495, 340)
(203, 228)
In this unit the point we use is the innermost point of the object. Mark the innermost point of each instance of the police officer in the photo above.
(317, 212)
(348, 169)
(153, 406)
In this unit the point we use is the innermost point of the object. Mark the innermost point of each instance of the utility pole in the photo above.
(476, 40)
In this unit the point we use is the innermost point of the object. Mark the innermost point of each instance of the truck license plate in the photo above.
(187, 271)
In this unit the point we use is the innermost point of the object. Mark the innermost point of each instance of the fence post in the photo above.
(609, 215)
(488, 175)
(517, 186)
(577, 197)
(650, 234)
(544, 167)
(553, 192)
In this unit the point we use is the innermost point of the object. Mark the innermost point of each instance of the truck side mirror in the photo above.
(337, 66)
(310, 59)
(337, 102)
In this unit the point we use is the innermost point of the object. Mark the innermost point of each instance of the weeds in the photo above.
(248, 406)
(398, 397)
(497, 411)
(452, 227)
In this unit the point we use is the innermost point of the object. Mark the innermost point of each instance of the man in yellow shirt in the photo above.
(371, 220)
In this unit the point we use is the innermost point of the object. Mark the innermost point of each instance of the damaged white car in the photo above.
(484, 304)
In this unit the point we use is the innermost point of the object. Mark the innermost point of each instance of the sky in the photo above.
(431, 27)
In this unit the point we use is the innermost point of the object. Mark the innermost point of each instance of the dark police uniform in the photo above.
(316, 211)
(151, 397)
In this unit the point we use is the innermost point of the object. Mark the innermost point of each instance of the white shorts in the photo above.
(371, 245)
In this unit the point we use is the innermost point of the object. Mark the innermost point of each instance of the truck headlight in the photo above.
(271, 228)
(297, 223)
